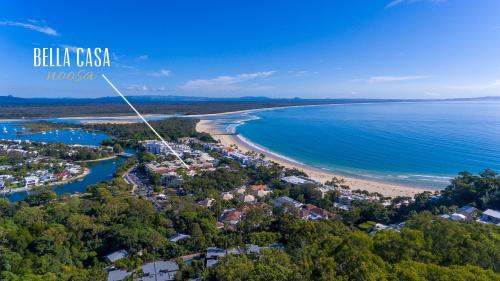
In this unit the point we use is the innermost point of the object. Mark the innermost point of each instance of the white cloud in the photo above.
(383, 79)
(301, 73)
(144, 88)
(119, 65)
(71, 48)
(395, 3)
(161, 73)
(31, 26)
(142, 58)
(492, 85)
(228, 83)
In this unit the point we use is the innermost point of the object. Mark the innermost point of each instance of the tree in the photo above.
(40, 196)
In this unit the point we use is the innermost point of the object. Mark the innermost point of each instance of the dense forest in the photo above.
(169, 129)
(15, 107)
(116, 109)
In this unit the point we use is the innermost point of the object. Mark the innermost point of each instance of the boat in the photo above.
(5, 130)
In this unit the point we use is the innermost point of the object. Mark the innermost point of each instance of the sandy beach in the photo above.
(387, 189)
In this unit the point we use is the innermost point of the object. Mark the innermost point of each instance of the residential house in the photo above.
(207, 202)
(491, 217)
(247, 198)
(311, 212)
(118, 255)
(226, 196)
(178, 237)
(117, 275)
(285, 200)
(469, 212)
(299, 180)
(31, 181)
(213, 255)
(159, 271)
(260, 190)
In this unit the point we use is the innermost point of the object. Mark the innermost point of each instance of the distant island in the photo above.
(12, 107)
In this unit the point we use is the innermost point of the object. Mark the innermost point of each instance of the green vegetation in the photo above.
(120, 108)
(129, 134)
(481, 191)
(43, 238)
(169, 129)
(43, 126)
(66, 238)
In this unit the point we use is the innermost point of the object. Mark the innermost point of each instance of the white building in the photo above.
(298, 180)
(31, 181)
(156, 147)
(491, 217)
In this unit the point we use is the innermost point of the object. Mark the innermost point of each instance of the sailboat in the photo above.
(5, 130)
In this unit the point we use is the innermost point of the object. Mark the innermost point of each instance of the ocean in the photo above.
(421, 144)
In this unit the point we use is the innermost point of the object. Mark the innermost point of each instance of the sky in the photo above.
(278, 49)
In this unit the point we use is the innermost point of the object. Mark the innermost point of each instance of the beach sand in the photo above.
(387, 189)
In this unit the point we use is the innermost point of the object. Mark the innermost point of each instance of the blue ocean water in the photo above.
(422, 144)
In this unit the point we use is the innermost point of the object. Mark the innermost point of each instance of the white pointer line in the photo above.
(147, 123)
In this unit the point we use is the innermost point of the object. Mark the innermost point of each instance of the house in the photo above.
(171, 179)
(62, 175)
(207, 202)
(469, 212)
(118, 255)
(298, 180)
(239, 157)
(231, 216)
(345, 200)
(117, 275)
(31, 181)
(226, 196)
(240, 190)
(378, 227)
(178, 237)
(457, 217)
(285, 200)
(247, 198)
(156, 147)
(311, 212)
(491, 217)
(260, 190)
(159, 271)
(213, 255)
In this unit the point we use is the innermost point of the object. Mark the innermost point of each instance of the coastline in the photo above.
(386, 189)
(85, 173)
(123, 118)
(99, 159)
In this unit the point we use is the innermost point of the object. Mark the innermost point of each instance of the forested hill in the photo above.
(16, 107)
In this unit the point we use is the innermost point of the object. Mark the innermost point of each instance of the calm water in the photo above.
(65, 136)
(421, 144)
(99, 171)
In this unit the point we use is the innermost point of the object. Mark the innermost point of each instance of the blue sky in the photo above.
(311, 49)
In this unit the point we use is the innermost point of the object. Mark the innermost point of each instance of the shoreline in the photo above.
(318, 174)
(98, 160)
(123, 118)
(85, 173)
